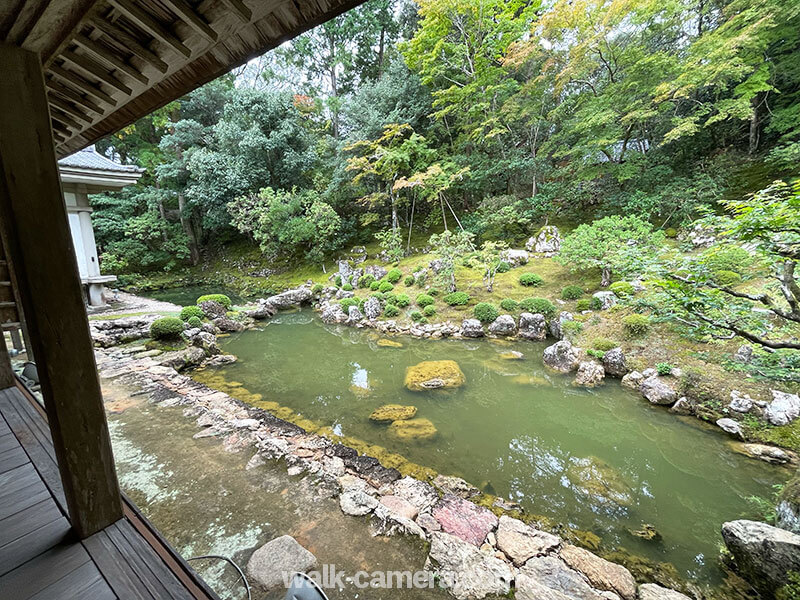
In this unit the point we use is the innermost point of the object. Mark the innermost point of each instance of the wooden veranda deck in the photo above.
(41, 558)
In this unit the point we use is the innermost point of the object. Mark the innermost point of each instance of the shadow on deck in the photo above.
(41, 558)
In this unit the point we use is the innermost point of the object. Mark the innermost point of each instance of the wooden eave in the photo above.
(109, 62)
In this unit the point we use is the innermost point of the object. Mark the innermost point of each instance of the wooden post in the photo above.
(36, 230)
(7, 379)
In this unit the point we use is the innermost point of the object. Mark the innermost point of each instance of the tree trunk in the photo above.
(605, 278)
(754, 135)
(194, 253)
(162, 212)
(381, 45)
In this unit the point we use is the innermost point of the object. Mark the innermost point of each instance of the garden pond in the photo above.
(600, 460)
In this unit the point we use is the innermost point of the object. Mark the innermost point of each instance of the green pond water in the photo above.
(602, 460)
(188, 295)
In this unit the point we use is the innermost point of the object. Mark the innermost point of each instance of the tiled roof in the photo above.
(89, 158)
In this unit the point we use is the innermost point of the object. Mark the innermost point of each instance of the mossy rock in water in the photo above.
(434, 375)
(529, 380)
(647, 532)
(384, 343)
(600, 481)
(645, 570)
(512, 355)
(413, 429)
(392, 412)
(360, 391)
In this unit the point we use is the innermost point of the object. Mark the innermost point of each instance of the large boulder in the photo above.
(449, 484)
(376, 271)
(392, 412)
(602, 574)
(783, 409)
(605, 299)
(213, 310)
(270, 564)
(372, 308)
(290, 298)
(262, 311)
(632, 380)
(333, 313)
(356, 503)
(520, 541)
(413, 429)
(466, 571)
(206, 341)
(515, 258)
(730, 426)
(740, 402)
(434, 375)
(764, 554)
(464, 519)
(353, 314)
(562, 356)
(557, 324)
(653, 591)
(658, 390)
(590, 374)
(787, 513)
(614, 362)
(229, 325)
(471, 328)
(770, 454)
(547, 241)
(420, 494)
(549, 578)
(503, 325)
(532, 326)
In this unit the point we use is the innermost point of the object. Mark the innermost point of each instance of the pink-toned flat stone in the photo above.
(463, 519)
(400, 507)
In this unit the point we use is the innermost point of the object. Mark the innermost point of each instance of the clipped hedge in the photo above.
(538, 305)
(583, 304)
(530, 280)
(374, 286)
(429, 310)
(221, 298)
(503, 267)
(485, 312)
(456, 298)
(509, 304)
(187, 312)
(166, 328)
(347, 287)
(317, 289)
(409, 280)
(603, 344)
(726, 278)
(346, 303)
(365, 280)
(394, 275)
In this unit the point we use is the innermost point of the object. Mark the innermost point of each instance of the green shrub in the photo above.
(595, 303)
(622, 288)
(423, 321)
(728, 257)
(166, 328)
(385, 286)
(434, 292)
(503, 267)
(394, 275)
(530, 279)
(509, 305)
(421, 279)
(571, 329)
(375, 285)
(664, 368)
(409, 280)
(338, 281)
(365, 280)
(583, 304)
(346, 303)
(347, 287)
(417, 316)
(390, 298)
(378, 295)
(391, 310)
(726, 278)
(539, 305)
(604, 344)
(598, 354)
(671, 232)
(403, 300)
(571, 292)
(221, 298)
(790, 591)
(456, 299)
(485, 312)
(636, 325)
(187, 312)
(195, 322)
(318, 287)
(361, 302)
(429, 310)
(424, 300)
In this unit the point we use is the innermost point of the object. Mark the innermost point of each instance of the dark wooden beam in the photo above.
(131, 43)
(66, 107)
(84, 63)
(108, 56)
(185, 12)
(49, 285)
(152, 27)
(6, 372)
(67, 92)
(239, 9)
(81, 83)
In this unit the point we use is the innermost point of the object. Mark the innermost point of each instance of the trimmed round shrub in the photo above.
(391, 310)
(728, 257)
(417, 316)
(485, 312)
(374, 286)
(424, 300)
(385, 286)
(603, 344)
(366, 280)
(423, 321)
(347, 287)
(636, 325)
(671, 232)
(571, 292)
(318, 287)
(538, 305)
(390, 298)
(338, 281)
(503, 267)
(346, 303)
(726, 278)
(421, 279)
(596, 303)
(429, 310)
(195, 322)
(409, 280)
(583, 304)
(530, 280)
(187, 312)
(622, 288)
(378, 295)
(402, 300)
(221, 298)
(394, 275)
(571, 329)
(166, 328)
(456, 298)
(434, 292)
(361, 302)
(664, 368)
(509, 305)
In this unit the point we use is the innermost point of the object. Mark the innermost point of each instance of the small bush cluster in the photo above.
(728, 257)
(456, 298)
(664, 368)
(421, 279)
(408, 281)
(583, 304)
(622, 288)
(726, 278)
(346, 303)
(417, 316)
(509, 305)
(221, 298)
(374, 285)
(394, 275)
(424, 300)
(530, 280)
(187, 312)
(429, 310)
(347, 287)
(595, 303)
(385, 286)
(503, 267)
(603, 344)
(571, 292)
(598, 354)
(166, 328)
(402, 300)
(390, 298)
(365, 280)
(486, 312)
(317, 289)
(671, 232)
(338, 281)
(570, 329)
(539, 305)
(391, 310)
(195, 322)
(636, 325)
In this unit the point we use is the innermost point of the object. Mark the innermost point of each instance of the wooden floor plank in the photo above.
(22, 476)
(8, 441)
(112, 564)
(43, 571)
(33, 544)
(73, 585)
(28, 520)
(12, 504)
(12, 458)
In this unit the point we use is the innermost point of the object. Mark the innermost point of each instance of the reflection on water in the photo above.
(601, 460)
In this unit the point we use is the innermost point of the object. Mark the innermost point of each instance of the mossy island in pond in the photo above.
(433, 375)
(600, 481)
(384, 343)
(392, 412)
(413, 429)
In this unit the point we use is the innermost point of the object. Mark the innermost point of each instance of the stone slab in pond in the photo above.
(392, 412)
(413, 429)
(276, 560)
(433, 375)
(464, 519)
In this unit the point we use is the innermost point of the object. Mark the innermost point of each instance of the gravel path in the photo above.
(123, 303)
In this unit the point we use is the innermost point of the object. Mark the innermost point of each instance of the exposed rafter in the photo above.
(108, 57)
(194, 20)
(130, 42)
(92, 68)
(239, 9)
(82, 84)
(143, 19)
(66, 107)
(70, 94)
